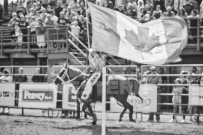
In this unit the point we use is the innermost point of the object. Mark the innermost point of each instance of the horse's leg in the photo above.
(122, 113)
(130, 108)
(94, 117)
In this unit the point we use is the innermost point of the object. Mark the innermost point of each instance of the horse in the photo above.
(129, 86)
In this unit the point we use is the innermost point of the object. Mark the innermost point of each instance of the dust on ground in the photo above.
(24, 125)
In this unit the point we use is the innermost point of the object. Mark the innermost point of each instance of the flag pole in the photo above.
(103, 101)
(87, 23)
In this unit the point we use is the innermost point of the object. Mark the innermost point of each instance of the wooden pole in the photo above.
(103, 101)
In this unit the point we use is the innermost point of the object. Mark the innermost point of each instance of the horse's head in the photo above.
(133, 84)
(62, 76)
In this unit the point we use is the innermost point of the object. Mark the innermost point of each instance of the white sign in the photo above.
(196, 95)
(38, 95)
(7, 94)
(149, 94)
(69, 97)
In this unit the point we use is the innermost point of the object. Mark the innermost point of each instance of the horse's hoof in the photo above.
(120, 120)
(94, 123)
(132, 120)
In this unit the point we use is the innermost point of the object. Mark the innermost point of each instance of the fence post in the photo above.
(1, 41)
(104, 101)
(47, 40)
(198, 34)
(28, 43)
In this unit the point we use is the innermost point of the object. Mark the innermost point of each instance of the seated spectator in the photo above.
(145, 16)
(49, 9)
(140, 7)
(6, 77)
(37, 77)
(193, 14)
(161, 3)
(188, 7)
(157, 13)
(182, 13)
(40, 31)
(62, 20)
(131, 5)
(149, 6)
(169, 3)
(20, 77)
(169, 12)
(48, 21)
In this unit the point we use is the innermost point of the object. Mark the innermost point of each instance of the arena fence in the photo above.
(16, 95)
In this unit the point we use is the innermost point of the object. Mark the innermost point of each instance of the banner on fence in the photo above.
(149, 94)
(69, 97)
(38, 95)
(7, 94)
(196, 95)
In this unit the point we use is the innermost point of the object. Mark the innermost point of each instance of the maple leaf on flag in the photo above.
(142, 41)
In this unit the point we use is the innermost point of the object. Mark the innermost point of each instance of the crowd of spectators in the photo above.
(35, 14)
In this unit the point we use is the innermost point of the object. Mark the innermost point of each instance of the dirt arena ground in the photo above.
(29, 125)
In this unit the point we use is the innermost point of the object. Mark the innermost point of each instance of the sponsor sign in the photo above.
(38, 95)
(7, 94)
(69, 97)
(148, 92)
(196, 95)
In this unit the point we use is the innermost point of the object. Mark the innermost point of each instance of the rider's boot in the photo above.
(120, 118)
(94, 122)
(131, 115)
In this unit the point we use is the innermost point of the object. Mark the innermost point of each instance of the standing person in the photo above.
(176, 99)
(6, 77)
(184, 98)
(40, 30)
(96, 64)
(20, 77)
(154, 78)
(37, 77)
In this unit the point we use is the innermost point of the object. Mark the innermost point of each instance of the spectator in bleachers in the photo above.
(75, 29)
(169, 12)
(188, 7)
(12, 24)
(19, 35)
(6, 77)
(20, 77)
(48, 21)
(149, 6)
(49, 9)
(23, 26)
(157, 13)
(37, 77)
(62, 21)
(161, 3)
(140, 8)
(58, 9)
(169, 3)
(182, 13)
(40, 31)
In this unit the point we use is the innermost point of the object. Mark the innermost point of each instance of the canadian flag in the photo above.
(156, 42)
